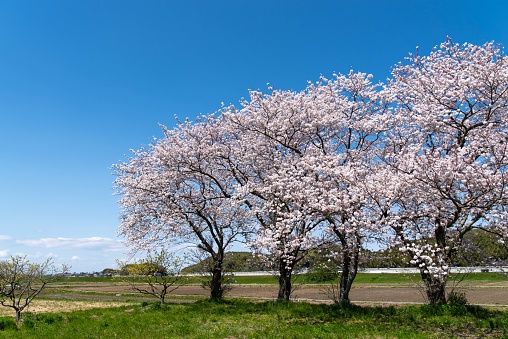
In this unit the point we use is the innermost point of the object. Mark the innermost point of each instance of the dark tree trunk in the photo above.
(350, 256)
(435, 288)
(217, 283)
(349, 271)
(285, 273)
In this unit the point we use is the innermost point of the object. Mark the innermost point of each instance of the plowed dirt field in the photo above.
(77, 295)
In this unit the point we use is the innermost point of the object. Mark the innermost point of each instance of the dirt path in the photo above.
(80, 296)
(476, 293)
(480, 294)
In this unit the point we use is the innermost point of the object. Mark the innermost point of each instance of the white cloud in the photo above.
(75, 257)
(92, 243)
(4, 237)
(4, 253)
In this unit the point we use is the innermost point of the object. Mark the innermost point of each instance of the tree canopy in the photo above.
(416, 163)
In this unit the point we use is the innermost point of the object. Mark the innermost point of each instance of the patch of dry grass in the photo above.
(55, 306)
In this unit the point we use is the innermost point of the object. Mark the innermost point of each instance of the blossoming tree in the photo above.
(307, 151)
(425, 157)
(448, 144)
(178, 191)
(271, 143)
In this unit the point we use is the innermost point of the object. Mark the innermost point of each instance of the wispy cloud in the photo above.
(4, 253)
(4, 237)
(92, 243)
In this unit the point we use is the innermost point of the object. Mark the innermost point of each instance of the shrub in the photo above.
(321, 273)
(457, 299)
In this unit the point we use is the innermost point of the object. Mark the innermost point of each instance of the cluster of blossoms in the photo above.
(427, 257)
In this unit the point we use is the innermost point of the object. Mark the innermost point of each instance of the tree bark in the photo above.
(285, 273)
(349, 271)
(216, 284)
(435, 288)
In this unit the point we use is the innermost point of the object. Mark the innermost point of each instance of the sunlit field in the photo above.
(243, 319)
(100, 307)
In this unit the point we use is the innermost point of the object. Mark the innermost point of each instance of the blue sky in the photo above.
(83, 82)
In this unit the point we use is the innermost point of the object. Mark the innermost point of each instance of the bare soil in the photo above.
(477, 293)
(77, 296)
(492, 294)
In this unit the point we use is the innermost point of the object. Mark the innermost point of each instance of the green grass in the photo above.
(481, 277)
(242, 319)
(87, 279)
(379, 278)
(361, 278)
(258, 279)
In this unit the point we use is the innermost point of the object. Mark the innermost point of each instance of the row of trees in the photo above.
(416, 163)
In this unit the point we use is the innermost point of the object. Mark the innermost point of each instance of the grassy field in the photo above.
(101, 313)
(362, 278)
(242, 319)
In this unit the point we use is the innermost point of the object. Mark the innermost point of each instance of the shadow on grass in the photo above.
(334, 311)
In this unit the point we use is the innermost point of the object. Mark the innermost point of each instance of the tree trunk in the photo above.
(349, 270)
(216, 284)
(435, 288)
(18, 316)
(434, 284)
(285, 273)
(350, 256)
